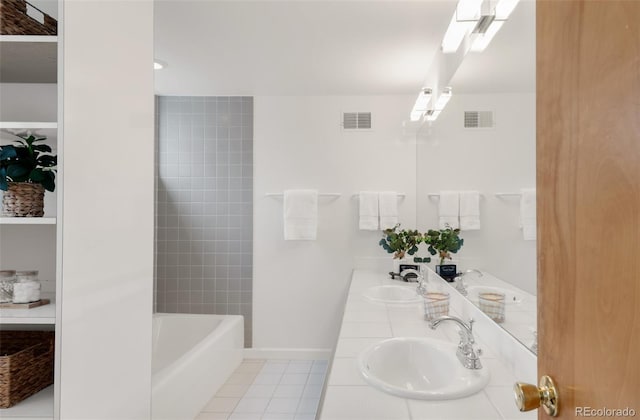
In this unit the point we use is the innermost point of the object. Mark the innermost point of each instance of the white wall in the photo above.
(488, 160)
(107, 230)
(299, 286)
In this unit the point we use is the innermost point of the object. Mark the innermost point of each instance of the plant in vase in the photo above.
(444, 242)
(400, 243)
(27, 169)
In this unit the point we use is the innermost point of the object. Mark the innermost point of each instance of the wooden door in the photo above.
(588, 160)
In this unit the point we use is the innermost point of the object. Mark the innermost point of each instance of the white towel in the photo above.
(369, 210)
(469, 210)
(528, 213)
(388, 207)
(300, 215)
(449, 209)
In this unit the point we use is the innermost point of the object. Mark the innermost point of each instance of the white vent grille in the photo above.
(356, 120)
(478, 119)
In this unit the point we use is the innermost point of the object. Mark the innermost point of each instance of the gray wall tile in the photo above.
(204, 206)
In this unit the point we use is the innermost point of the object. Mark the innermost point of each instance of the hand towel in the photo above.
(528, 213)
(300, 215)
(388, 207)
(469, 210)
(369, 211)
(449, 209)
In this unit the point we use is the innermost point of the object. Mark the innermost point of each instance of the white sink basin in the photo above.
(419, 368)
(511, 296)
(392, 294)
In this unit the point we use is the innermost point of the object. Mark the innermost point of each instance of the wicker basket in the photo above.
(23, 199)
(26, 364)
(15, 21)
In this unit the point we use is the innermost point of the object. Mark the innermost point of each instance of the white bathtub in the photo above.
(193, 355)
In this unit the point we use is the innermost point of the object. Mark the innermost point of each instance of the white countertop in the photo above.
(364, 323)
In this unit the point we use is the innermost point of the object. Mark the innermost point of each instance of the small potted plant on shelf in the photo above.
(27, 169)
(444, 242)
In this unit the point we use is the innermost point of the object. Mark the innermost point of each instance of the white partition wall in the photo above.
(107, 222)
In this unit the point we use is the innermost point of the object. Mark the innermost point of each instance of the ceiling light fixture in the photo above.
(442, 101)
(422, 104)
(479, 19)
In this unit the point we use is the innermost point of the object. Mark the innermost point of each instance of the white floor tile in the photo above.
(319, 366)
(241, 378)
(232, 391)
(299, 366)
(502, 398)
(221, 405)
(301, 416)
(213, 416)
(346, 403)
(249, 367)
(308, 406)
(294, 379)
(267, 379)
(475, 407)
(283, 405)
(273, 366)
(316, 379)
(245, 416)
(260, 391)
(351, 347)
(252, 405)
(288, 391)
(312, 391)
(278, 416)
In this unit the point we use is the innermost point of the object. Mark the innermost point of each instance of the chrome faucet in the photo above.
(459, 279)
(467, 355)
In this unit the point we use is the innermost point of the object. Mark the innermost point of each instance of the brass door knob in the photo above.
(530, 397)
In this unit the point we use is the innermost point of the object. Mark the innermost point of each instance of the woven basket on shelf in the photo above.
(23, 199)
(26, 364)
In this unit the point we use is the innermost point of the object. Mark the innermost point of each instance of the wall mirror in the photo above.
(485, 141)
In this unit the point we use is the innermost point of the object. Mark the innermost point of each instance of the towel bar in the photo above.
(319, 194)
(357, 195)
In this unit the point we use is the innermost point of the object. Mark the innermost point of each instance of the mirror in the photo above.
(494, 96)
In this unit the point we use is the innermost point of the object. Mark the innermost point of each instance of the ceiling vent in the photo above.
(356, 120)
(478, 119)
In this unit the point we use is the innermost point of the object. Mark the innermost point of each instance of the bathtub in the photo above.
(193, 355)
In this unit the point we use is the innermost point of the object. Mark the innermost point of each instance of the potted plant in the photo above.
(400, 243)
(444, 242)
(27, 169)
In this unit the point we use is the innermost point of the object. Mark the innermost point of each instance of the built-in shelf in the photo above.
(28, 38)
(28, 220)
(28, 59)
(27, 125)
(37, 407)
(41, 315)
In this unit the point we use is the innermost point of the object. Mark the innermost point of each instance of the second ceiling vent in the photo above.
(478, 119)
(356, 120)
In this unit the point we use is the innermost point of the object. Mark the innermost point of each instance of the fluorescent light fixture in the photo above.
(421, 105)
(482, 40)
(158, 65)
(442, 101)
(463, 21)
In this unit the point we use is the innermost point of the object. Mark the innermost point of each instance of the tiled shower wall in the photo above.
(204, 206)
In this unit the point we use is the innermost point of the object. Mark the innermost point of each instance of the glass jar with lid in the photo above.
(27, 287)
(7, 280)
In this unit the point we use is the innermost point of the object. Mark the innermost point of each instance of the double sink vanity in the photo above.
(390, 363)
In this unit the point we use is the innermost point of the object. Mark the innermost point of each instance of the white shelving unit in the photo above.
(29, 64)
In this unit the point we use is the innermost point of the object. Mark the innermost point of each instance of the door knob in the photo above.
(530, 397)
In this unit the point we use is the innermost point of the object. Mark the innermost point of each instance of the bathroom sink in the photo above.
(511, 296)
(419, 368)
(392, 294)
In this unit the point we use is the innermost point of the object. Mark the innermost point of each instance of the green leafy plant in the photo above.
(28, 161)
(443, 242)
(400, 241)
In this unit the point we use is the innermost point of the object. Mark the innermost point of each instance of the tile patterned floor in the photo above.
(269, 390)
